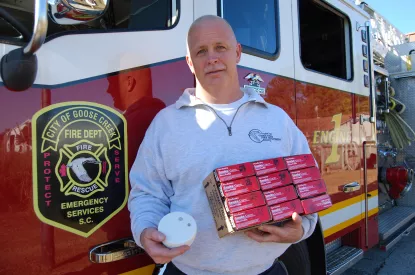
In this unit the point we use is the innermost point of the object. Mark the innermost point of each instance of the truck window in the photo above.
(254, 24)
(325, 39)
(122, 15)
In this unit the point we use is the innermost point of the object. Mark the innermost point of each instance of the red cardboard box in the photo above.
(311, 189)
(285, 210)
(239, 186)
(245, 201)
(274, 180)
(233, 172)
(280, 195)
(304, 175)
(299, 162)
(222, 218)
(268, 166)
(250, 217)
(316, 204)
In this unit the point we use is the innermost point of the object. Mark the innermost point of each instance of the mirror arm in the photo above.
(40, 28)
(15, 24)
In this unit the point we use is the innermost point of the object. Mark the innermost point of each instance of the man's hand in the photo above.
(152, 239)
(291, 232)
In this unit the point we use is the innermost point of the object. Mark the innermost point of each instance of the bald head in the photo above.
(209, 19)
(212, 55)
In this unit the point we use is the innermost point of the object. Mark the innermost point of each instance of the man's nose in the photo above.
(213, 58)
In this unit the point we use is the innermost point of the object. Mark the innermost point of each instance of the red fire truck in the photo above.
(81, 81)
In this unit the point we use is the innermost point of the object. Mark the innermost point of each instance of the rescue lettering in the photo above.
(84, 190)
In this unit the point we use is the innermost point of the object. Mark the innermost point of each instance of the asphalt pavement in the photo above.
(399, 260)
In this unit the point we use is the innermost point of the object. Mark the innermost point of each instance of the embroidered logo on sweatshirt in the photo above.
(257, 136)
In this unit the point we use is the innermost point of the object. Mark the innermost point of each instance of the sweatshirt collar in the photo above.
(188, 98)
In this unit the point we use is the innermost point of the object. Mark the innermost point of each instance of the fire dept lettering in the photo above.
(79, 166)
(61, 121)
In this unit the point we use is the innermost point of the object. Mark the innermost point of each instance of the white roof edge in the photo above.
(355, 7)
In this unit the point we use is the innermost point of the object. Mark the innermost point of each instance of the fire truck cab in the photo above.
(81, 81)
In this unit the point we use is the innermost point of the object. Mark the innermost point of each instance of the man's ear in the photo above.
(131, 82)
(238, 52)
(190, 64)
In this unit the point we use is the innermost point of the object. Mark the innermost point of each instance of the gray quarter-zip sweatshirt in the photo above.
(185, 142)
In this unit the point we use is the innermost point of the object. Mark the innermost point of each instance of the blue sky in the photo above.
(400, 13)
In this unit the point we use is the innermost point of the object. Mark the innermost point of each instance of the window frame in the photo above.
(348, 39)
(253, 51)
(13, 41)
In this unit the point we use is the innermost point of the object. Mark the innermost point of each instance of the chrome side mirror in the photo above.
(71, 12)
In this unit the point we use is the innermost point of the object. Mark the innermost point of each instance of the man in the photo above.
(132, 93)
(211, 126)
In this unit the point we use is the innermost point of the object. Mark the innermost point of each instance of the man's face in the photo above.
(128, 87)
(115, 90)
(213, 54)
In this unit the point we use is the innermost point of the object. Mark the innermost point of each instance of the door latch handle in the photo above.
(351, 187)
(114, 251)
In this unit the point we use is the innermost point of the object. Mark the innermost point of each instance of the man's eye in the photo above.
(201, 51)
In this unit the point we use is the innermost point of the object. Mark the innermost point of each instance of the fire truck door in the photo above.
(264, 30)
(64, 143)
(328, 73)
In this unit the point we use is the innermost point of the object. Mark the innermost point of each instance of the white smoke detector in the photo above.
(179, 228)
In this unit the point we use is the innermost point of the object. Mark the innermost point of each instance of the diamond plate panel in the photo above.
(342, 258)
(333, 245)
(392, 220)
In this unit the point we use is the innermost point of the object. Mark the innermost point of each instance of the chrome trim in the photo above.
(86, 6)
(114, 251)
(365, 143)
(73, 12)
(40, 27)
(372, 92)
(351, 187)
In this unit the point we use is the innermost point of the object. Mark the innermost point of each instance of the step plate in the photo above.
(392, 241)
(392, 220)
(333, 245)
(342, 258)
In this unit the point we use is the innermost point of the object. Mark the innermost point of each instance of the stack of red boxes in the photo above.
(271, 190)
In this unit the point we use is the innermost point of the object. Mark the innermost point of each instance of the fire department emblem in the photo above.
(255, 83)
(79, 166)
(83, 168)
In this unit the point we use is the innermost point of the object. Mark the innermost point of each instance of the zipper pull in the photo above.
(230, 131)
